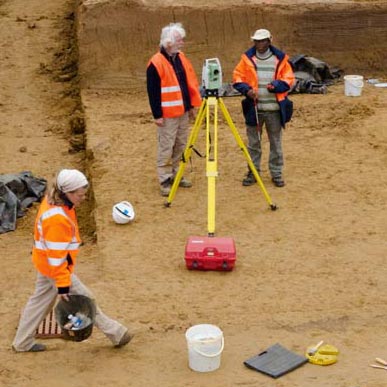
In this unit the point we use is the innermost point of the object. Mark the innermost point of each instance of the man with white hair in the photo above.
(265, 77)
(173, 92)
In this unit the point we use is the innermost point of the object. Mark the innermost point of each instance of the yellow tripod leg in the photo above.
(187, 152)
(211, 163)
(246, 153)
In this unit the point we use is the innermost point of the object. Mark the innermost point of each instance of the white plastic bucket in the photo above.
(353, 85)
(205, 347)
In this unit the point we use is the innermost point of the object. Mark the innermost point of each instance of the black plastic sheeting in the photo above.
(17, 193)
(312, 75)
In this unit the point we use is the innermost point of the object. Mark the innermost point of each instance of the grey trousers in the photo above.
(41, 303)
(272, 123)
(172, 140)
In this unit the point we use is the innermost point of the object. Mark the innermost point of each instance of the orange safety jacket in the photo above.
(245, 77)
(56, 243)
(172, 103)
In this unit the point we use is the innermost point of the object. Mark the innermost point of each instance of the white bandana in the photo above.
(69, 180)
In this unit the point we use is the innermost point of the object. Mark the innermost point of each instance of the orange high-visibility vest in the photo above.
(172, 103)
(56, 235)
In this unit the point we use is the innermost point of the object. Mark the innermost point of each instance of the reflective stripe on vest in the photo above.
(47, 245)
(170, 89)
(178, 102)
(51, 212)
(56, 261)
(164, 93)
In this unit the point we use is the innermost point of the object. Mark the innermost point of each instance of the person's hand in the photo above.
(64, 297)
(270, 87)
(159, 121)
(252, 94)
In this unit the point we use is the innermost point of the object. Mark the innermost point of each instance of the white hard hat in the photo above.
(261, 34)
(123, 212)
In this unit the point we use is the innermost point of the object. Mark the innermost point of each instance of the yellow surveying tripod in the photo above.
(209, 105)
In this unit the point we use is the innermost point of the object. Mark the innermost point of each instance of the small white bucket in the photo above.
(205, 346)
(353, 85)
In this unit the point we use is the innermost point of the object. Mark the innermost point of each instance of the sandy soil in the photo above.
(312, 270)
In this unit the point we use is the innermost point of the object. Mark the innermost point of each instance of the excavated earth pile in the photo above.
(117, 38)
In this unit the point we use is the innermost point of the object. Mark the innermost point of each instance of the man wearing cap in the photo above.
(173, 92)
(54, 254)
(265, 76)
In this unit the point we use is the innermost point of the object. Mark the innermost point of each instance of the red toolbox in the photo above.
(210, 253)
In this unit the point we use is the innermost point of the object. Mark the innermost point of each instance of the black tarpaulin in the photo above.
(18, 192)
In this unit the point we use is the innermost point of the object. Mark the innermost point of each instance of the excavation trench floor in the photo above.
(312, 270)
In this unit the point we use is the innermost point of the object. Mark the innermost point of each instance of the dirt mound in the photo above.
(117, 37)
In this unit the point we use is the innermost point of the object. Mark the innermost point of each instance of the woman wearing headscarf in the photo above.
(54, 254)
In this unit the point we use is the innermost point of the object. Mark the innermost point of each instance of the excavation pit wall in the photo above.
(117, 38)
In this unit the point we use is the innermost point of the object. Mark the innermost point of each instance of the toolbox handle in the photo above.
(210, 251)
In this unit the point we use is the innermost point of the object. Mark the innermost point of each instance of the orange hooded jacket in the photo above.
(245, 78)
(56, 243)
